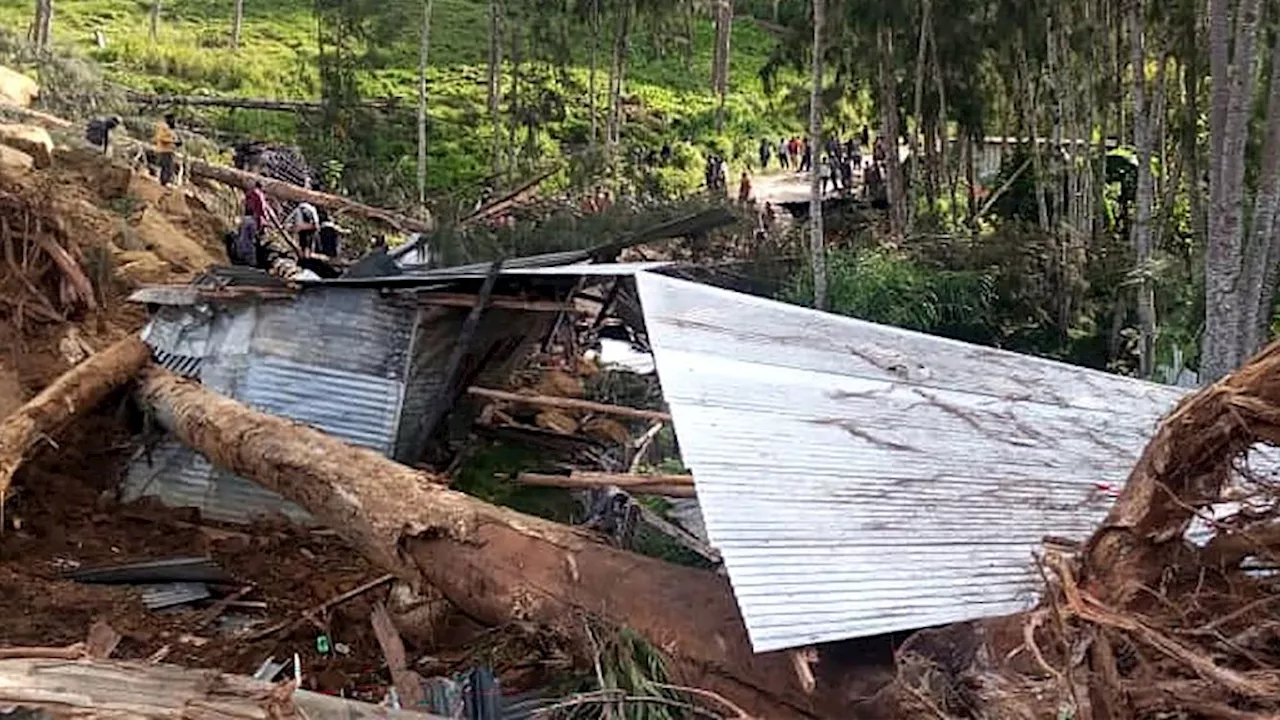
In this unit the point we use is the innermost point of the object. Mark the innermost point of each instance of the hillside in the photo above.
(667, 89)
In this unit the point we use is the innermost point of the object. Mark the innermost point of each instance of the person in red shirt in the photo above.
(253, 223)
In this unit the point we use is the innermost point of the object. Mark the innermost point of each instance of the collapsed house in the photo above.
(856, 479)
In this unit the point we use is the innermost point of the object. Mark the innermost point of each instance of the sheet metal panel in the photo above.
(861, 479)
(349, 329)
(358, 408)
(178, 476)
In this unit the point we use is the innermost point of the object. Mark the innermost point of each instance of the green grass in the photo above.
(277, 59)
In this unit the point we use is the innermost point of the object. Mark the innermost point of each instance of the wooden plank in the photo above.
(669, 485)
(568, 404)
(118, 689)
(407, 683)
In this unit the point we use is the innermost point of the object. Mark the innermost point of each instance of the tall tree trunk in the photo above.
(1262, 251)
(497, 565)
(1032, 119)
(237, 23)
(517, 57)
(42, 27)
(915, 131)
(720, 73)
(817, 240)
(1223, 345)
(1141, 226)
(1194, 168)
(495, 83)
(591, 76)
(424, 50)
(617, 73)
(155, 19)
(889, 130)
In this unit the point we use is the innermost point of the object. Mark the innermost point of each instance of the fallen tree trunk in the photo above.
(669, 485)
(495, 564)
(250, 103)
(76, 392)
(289, 191)
(116, 689)
(568, 404)
(246, 180)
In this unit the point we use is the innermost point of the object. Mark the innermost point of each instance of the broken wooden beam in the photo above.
(568, 404)
(117, 689)
(495, 564)
(669, 485)
(78, 391)
(502, 302)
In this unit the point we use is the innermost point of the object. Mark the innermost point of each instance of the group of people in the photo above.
(839, 163)
(793, 152)
(317, 236)
(164, 138)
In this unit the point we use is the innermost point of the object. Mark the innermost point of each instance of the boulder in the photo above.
(16, 88)
(15, 159)
(30, 139)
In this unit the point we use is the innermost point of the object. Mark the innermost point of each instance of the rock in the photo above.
(139, 267)
(17, 88)
(15, 159)
(32, 140)
(170, 244)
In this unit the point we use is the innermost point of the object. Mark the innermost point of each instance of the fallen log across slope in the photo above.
(495, 564)
(76, 392)
(245, 180)
(117, 689)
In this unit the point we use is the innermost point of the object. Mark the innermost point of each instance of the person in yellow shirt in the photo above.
(166, 142)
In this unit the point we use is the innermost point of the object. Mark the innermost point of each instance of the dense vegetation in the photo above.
(666, 94)
(1138, 232)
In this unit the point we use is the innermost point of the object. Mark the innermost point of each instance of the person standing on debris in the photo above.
(744, 188)
(167, 142)
(303, 222)
(257, 211)
(329, 236)
(98, 132)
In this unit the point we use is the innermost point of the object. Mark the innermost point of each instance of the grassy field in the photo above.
(669, 97)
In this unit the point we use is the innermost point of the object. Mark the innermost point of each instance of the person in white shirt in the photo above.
(304, 221)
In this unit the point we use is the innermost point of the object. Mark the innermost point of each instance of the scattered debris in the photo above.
(170, 570)
(669, 485)
(568, 403)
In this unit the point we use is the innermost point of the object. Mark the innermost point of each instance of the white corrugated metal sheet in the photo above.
(861, 479)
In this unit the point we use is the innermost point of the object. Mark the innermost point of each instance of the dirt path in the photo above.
(789, 187)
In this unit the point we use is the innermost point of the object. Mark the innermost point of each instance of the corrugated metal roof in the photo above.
(349, 329)
(861, 479)
(361, 409)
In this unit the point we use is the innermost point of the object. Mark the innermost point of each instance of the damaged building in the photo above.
(854, 479)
